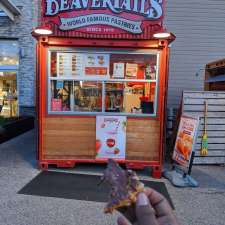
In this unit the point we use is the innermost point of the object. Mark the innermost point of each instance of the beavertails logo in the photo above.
(104, 15)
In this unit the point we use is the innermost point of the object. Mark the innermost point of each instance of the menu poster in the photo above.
(96, 64)
(111, 137)
(56, 104)
(185, 140)
(118, 70)
(69, 64)
(131, 70)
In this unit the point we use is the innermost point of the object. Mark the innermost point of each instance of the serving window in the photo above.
(103, 82)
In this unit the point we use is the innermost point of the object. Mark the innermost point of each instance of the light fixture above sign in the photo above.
(43, 30)
(162, 35)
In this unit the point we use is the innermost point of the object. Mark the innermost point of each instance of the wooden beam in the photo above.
(7, 11)
(10, 9)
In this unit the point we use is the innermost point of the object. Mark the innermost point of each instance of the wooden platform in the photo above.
(193, 105)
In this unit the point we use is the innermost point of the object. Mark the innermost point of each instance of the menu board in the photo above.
(69, 64)
(111, 137)
(185, 140)
(96, 64)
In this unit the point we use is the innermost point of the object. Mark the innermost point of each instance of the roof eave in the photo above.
(10, 9)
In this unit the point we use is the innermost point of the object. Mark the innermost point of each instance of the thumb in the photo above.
(123, 221)
(144, 212)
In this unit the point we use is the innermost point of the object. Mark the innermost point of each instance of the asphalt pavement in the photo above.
(204, 205)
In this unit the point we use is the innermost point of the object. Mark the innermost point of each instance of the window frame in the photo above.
(103, 80)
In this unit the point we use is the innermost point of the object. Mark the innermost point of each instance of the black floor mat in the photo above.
(77, 186)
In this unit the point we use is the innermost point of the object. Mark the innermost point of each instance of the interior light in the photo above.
(43, 30)
(5, 58)
(162, 35)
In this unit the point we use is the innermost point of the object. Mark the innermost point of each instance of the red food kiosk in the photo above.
(102, 71)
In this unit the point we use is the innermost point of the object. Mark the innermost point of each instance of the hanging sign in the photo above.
(185, 140)
(111, 137)
(103, 16)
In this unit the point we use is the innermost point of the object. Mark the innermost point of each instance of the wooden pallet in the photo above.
(212, 70)
(193, 105)
(216, 64)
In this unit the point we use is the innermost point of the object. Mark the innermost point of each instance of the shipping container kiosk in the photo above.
(99, 60)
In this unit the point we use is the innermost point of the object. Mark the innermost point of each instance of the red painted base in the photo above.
(135, 166)
(156, 172)
(66, 164)
(43, 165)
(156, 168)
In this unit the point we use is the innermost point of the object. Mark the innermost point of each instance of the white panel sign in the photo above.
(111, 137)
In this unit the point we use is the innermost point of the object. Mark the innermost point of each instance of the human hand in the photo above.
(151, 208)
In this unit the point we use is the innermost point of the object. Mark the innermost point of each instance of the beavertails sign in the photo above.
(104, 17)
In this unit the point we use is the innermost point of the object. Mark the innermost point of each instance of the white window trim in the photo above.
(152, 115)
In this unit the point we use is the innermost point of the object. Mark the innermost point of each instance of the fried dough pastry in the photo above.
(125, 185)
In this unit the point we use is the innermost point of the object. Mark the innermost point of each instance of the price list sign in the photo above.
(69, 64)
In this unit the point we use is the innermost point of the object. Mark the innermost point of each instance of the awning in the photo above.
(218, 78)
(10, 9)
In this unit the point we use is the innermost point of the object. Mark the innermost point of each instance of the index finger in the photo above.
(158, 202)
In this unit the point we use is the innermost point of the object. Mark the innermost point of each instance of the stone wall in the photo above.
(21, 29)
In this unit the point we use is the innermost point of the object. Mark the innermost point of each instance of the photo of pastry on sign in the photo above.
(96, 64)
(110, 137)
(184, 144)
(185, 140)
(95, 71)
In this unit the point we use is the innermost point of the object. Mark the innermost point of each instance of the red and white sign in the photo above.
(111, 137)
(96, 64)
(185, 140)
(103, 16)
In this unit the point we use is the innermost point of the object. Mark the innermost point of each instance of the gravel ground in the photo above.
(204, 205)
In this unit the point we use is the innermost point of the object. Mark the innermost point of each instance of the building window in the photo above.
(102, 82)
(9, 62)
(9, 53)
(2, 13)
